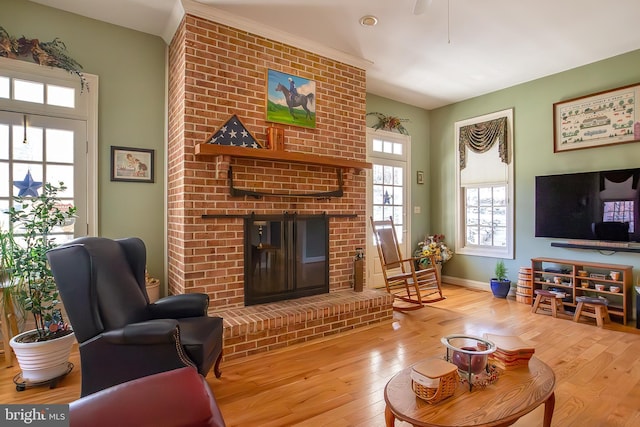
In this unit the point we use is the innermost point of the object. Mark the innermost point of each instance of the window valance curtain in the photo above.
(480, 137)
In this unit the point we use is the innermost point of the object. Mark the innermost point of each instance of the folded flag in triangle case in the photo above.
(234, 133)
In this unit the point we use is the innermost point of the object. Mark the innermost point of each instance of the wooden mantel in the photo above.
(280, 156)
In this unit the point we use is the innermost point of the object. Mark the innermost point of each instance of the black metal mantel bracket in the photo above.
(239, 192)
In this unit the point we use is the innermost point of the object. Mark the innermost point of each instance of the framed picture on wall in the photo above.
(132, 164)
(603, 118)
(290, 99)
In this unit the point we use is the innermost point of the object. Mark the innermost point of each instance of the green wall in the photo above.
(533, 146)
(418, 128)
(131, 70)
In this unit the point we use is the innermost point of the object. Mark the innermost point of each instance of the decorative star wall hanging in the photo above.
(27, 187)
(234, 133)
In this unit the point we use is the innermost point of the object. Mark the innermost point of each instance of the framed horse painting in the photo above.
(291, 99)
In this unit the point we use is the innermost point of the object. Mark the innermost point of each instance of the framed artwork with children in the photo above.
(132, 164)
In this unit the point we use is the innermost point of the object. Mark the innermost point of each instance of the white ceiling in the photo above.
(455, 50)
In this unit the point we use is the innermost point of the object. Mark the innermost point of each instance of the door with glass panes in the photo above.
(387, 190)
(35, 149)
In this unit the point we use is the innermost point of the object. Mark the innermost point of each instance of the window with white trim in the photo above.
(484, 185)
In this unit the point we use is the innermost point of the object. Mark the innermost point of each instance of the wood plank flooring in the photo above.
(340, 381)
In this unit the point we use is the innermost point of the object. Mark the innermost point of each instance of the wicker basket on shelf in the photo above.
(434, 380)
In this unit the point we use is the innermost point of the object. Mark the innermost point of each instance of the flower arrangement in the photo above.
(433, 245)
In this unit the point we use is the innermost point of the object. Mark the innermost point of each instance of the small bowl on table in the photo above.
(469, 354)
(599, 287)
(614, 289)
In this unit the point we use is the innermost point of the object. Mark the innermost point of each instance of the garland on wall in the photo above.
(389, 123)
(51, 54)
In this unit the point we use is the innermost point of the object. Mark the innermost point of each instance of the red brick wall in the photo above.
(216, 71)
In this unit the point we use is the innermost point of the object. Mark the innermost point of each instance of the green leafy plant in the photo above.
(33, 220)
(501, 271)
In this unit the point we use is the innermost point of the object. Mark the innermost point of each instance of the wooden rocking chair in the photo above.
(403, 279)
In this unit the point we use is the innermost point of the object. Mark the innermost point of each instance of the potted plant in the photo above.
(500, 285)
(33, 220)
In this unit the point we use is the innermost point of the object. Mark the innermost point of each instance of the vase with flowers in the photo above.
(432, 245)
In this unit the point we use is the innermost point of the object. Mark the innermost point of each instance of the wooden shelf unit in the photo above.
(544, 271)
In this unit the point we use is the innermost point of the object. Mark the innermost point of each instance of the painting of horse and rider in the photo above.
(291, 99)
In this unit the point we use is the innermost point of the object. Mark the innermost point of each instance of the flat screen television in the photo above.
(600, 205)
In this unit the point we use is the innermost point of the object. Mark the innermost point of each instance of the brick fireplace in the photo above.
(216, 71)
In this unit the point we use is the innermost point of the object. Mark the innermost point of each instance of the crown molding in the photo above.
(206, 11)
(173, 22)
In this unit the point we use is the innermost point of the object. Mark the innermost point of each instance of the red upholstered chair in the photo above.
(176, 398)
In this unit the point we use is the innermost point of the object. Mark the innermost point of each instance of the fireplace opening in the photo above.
(286, 257)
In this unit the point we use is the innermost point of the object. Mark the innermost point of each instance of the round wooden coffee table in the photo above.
(516, 393)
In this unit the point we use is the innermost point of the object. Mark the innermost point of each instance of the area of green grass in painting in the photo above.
(280, 114)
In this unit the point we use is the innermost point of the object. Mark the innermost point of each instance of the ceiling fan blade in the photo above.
(421, 6)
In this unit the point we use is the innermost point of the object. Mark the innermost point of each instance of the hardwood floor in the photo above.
(340, 381)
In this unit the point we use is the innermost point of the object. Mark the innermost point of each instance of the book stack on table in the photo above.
(511, 352)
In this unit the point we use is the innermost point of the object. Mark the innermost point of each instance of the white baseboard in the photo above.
(473, 284)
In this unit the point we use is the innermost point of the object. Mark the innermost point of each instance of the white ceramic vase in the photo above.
(43, 361)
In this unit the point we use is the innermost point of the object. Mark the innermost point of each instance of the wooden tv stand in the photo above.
(545, 270)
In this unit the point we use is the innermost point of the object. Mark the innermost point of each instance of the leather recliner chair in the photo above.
(121, 335)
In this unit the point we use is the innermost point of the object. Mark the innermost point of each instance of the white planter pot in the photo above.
(42, 361)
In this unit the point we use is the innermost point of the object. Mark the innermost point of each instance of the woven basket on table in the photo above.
(434, 380)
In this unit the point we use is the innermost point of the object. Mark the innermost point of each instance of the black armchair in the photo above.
(121, 335)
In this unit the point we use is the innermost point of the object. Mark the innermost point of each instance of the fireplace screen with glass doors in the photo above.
(286, 257)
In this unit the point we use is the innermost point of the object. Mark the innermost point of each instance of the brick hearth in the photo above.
(260, 328)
